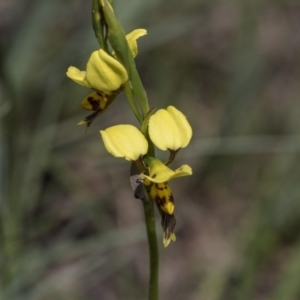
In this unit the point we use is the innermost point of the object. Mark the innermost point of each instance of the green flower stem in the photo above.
(133, 89)
(132, 104)
(153, 249)
(151, 230)
(137, 86)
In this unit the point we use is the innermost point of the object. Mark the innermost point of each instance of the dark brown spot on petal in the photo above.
(158, 187)
(160, 201)
(94, 103)
(171, 199)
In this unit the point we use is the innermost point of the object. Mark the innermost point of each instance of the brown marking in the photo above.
(161, 188)
(94, 103)
(160, 201)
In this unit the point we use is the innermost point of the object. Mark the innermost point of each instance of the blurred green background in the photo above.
(70, 227)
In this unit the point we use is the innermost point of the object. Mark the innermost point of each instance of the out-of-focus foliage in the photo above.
(70, 227)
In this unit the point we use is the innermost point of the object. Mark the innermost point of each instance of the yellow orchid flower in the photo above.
(124, 141)
(153, 175)
(103, 73)
(169, 129)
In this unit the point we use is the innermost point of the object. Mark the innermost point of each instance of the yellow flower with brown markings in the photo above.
(104, 73)
(168, 130)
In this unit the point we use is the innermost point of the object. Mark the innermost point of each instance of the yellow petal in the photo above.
(124, 141)
(131, 39)
(77, 76)
(159, 172)
(163, 131)
(104, 73)
(169, 129)
(184, 127)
